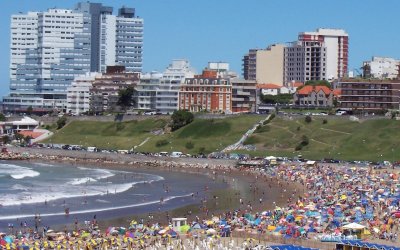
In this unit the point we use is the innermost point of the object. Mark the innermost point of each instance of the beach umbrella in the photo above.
(211, 231)
(129, 235)
(163, 231)
(85, 235)
(215, 219)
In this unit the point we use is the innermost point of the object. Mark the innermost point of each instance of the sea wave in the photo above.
(99, 174)
(17, 172)
(8, 217)
(19, 187)
(63, 192)
(79, 181)
(44, 164)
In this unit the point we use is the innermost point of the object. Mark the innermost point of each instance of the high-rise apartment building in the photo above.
(265, 65)
(121, 40)
(319, 55)
(49, 49)
(304, 61)
(168, 90)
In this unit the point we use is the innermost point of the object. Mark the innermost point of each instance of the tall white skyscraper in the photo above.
(49, 49)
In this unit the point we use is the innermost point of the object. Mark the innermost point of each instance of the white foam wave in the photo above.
(44, 164)
(63, 192)
(102, 201)
(79, 181)
(8, 217)
(17, 172)
(99, 174)
(19, 187)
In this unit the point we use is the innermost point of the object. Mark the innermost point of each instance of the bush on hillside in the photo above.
(324, 121)
(202, 150)
(120, 126)
(298, 147)
(304, 141)
(189, 145)
(308, 119)
(251, 140)
(262, 129)
(181, 118)
(161, 143)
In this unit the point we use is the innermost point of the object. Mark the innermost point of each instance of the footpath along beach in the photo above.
(289, 203)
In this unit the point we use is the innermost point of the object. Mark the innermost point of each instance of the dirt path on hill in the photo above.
(327, 129)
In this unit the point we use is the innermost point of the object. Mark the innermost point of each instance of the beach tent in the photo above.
(184, 228)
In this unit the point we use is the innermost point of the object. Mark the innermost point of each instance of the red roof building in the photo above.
(318, 96)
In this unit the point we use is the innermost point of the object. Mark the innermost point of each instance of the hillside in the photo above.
(339, 138)
(203, 135)
(206, 135)
(111, 135)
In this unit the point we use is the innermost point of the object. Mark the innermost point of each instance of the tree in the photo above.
(61, 122)
(27, 139)
(280, 98)
(317, 83)
(2, 117)
(18, 137)
(125, 98)
(181, 118)
(6, 139)
(29, 110)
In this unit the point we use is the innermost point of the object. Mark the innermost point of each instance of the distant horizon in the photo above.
(223, 31)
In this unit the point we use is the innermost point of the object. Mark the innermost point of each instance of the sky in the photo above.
(224, 30)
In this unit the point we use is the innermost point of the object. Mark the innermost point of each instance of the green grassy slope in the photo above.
(112, 135)
(209, 134)
(339, 139)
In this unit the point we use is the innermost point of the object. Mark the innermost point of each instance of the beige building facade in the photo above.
(265, 65)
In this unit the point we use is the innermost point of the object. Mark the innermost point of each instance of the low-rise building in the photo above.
(316, 96)
(370, 94)
(244, 95)
(12, 127)
(206, 92)
(272, 89)
(382, 67)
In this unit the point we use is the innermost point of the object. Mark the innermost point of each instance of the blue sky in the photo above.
(224, 30)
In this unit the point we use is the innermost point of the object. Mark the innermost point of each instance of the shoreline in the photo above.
(257, 194)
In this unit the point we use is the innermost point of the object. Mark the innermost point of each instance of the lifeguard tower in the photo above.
(178, 222)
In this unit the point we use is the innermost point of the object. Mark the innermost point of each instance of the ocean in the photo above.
(49, 190)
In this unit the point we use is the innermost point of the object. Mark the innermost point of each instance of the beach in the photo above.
(291, 202)
(256, 194)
